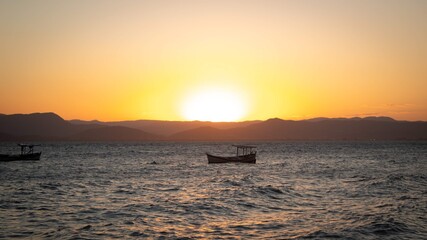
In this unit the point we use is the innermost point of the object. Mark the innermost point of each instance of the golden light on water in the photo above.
(215, 105)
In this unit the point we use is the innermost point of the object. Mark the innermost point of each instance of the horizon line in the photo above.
(254, 120)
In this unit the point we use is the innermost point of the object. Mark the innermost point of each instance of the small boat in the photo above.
(246, 155)
(27, 153)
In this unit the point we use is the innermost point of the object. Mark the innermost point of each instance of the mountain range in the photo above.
(51, 127)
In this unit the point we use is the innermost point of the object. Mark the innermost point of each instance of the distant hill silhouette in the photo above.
(381, 119)
(7, 137)
(204, 134)
(371, 128)
(114, 133)
(166, 128)
(48, 124)
(51, 127)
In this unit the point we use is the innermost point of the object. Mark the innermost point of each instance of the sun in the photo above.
(215, 105)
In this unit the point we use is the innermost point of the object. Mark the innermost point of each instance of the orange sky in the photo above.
(118, 60)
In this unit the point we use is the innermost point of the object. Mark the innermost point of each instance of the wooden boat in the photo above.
(27, 153)
(246, 155)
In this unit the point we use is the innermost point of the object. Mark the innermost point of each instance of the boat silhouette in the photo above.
(27, 154)
(246, 155)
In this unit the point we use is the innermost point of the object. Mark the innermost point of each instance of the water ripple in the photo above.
(300, 190)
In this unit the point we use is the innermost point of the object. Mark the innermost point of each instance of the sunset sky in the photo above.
(214, 60)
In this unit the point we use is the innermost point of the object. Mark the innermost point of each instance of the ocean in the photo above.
(159, 190)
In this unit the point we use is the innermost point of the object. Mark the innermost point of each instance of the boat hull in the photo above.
(250, 158)
(20, 157)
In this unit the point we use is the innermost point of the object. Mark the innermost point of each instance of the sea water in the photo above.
(342, 190)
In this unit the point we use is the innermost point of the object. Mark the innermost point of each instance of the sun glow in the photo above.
(215, 105)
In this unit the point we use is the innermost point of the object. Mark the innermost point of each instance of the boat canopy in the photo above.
(246, 149)
(243, 146)
(29, 146)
